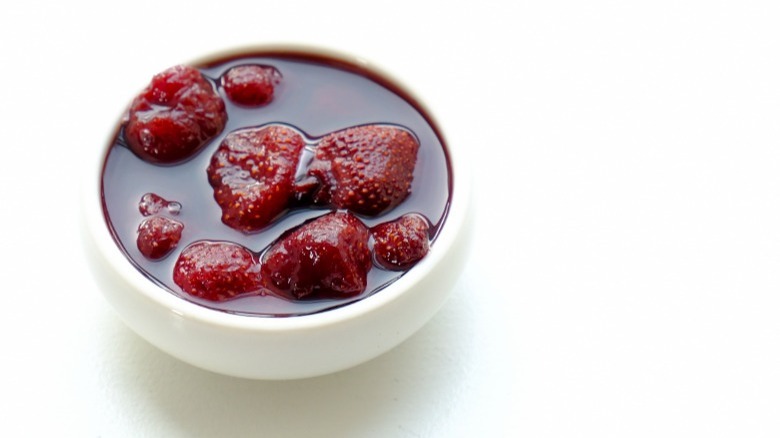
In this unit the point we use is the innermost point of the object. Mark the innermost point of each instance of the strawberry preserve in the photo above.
(239, 156)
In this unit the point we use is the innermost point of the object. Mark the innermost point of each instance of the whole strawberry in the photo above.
(253, 174)
(217, 271)
(400, 244)
(365, 169)
(251, 85)
(174, 116)
(158, 236)
(328, 257)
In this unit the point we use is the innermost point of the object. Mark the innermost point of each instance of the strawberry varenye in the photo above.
(294, 202)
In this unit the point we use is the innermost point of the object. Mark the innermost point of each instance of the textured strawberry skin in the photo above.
(251, 85)
(400, 244)
(365, 169)
(328, 257)
(174, 116)
(217, 271)
(158, 236)
(253, 175)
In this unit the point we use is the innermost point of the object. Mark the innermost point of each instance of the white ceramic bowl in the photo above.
(284, 347)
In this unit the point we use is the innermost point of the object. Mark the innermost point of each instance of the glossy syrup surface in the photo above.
(317, 96)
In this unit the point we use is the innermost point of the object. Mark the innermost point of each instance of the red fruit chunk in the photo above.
(253, 174)
(158, 236)
(400, 244)
(217, 271)
(325, 258)
(174, 116)
(151, 203)
(366, 169)
(251, 85)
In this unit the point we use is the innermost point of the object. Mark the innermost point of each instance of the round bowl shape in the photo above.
(280, 347)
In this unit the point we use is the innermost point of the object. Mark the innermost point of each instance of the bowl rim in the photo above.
(454, 222)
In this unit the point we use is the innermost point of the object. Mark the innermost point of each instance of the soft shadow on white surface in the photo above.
(410, 391)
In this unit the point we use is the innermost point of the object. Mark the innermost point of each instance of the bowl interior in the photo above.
(451, 222)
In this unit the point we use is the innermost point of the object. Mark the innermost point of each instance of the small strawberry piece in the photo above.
(158, 236)
(217, 271)
(152, 203)
(400, 244)
(325, 258)
(253, 175)
(366, 169)
(174, 116)
(251, 85)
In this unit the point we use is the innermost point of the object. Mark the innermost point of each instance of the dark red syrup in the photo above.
(316, 96)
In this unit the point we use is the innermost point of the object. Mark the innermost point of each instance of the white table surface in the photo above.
(624, 280)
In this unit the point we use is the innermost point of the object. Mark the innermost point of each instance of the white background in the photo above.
(625, 279)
